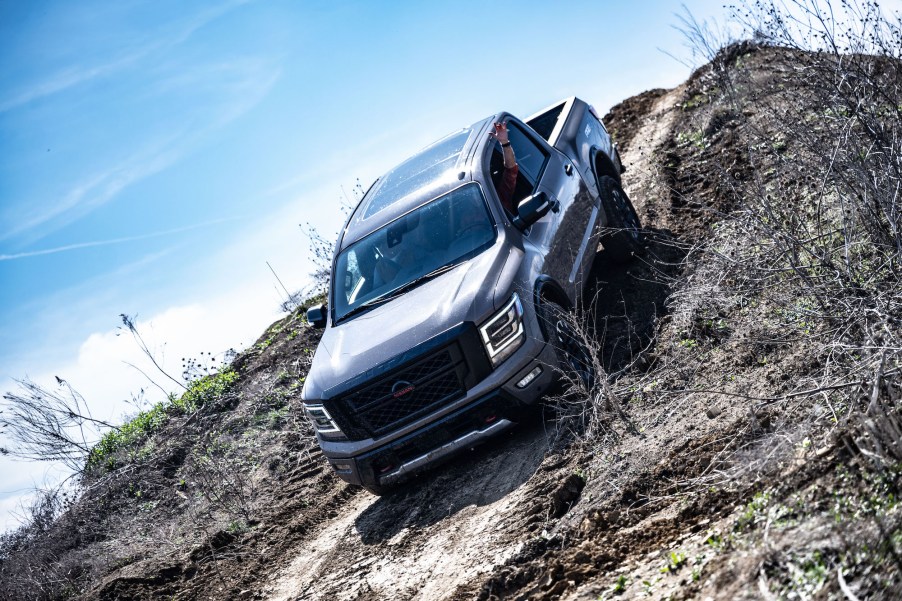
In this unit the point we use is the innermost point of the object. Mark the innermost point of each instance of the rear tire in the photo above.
(625, 238)
(575, 358)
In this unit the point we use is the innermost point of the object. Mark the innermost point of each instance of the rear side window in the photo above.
(544, 123)
(530, 156)
(531, 160)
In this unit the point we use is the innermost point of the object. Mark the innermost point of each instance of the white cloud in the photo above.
(101, 373)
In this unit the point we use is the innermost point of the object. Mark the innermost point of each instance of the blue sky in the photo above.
(154, 155)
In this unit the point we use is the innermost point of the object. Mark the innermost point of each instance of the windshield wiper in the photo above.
(365, 307)
(397, 291)
(417, 281)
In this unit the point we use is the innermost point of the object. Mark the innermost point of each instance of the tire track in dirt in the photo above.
(642, 180)
(442, 533)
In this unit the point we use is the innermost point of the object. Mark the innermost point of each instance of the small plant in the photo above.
(675, 561)
(205, 365)
(754, 511)
(696, 101)
(649, 586)
(689, 343)
(695, 138)
(236, 527)
(714, 540)
(620, 584)
(200, 392)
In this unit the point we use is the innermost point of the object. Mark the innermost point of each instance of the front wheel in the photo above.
(375, 489)
(574, 355)
(624, 238)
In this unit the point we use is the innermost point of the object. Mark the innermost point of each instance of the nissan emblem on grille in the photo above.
(401, 387)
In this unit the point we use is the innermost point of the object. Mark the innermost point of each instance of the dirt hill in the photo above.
(745, 444)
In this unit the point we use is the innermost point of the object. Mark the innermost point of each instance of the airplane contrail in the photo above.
(78, 245)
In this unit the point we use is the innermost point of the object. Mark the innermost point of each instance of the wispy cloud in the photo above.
(80, 245)
(99, 188)
(76, 75)
(239, 86)
(63, 80)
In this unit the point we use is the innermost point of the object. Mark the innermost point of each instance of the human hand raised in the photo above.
(499, 132)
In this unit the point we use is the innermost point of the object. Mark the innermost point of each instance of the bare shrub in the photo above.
(33, 560)
(814, 250)
(47, 425)
(321, 249)
(223, 477)
(586, 402)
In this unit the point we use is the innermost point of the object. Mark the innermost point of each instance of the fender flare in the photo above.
(603, 165)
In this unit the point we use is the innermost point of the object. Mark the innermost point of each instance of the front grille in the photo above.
(419, 372)
(383, 416)
(434, 381)
(366, 406)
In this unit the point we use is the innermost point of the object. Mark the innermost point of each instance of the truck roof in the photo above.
(434, 170)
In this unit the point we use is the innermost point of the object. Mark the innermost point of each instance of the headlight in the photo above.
(322, 421)
(503, 333)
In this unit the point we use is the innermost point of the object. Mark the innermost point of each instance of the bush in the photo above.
(201, 392)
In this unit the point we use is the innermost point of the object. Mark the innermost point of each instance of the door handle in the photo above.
(568, 169)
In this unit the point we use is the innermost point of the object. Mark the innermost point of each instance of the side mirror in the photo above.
(531, 209)
(316, 316)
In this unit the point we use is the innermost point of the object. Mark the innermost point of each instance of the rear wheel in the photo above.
(625, 237)
(575, 357)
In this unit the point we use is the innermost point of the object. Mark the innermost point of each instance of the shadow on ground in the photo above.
(480, 477)
(626, 300)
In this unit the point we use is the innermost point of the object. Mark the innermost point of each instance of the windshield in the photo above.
(410, 249)
(415, 172)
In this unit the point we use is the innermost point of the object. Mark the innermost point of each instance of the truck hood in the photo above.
(371, 339)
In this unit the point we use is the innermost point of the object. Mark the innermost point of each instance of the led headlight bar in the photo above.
(321, 419)
(503, 333)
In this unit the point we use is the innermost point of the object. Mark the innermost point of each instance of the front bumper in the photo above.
(470, 424)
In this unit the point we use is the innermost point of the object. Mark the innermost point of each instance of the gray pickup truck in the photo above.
(444, 320)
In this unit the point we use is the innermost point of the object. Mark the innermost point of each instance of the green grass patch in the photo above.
(200, 392)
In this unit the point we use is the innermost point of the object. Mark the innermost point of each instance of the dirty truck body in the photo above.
(436, 327)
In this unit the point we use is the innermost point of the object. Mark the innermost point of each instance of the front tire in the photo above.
(375, 489)
(575, 358)
(625, 238)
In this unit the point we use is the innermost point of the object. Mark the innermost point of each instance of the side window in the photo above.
(530, 156)
(530, 159)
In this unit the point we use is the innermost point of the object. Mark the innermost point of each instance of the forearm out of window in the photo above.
(509, 159)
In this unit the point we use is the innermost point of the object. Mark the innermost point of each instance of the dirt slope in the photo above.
(456, 527)
(690, 489)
